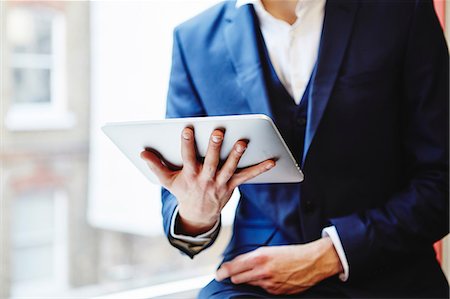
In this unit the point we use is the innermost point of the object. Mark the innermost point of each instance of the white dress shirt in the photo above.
(293, 51)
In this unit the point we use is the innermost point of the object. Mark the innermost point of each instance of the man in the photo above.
(359, 91)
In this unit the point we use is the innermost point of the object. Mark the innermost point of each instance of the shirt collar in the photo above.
(240, 3)
(258, 4)
(266, 19)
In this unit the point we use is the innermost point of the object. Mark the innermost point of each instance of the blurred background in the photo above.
(77, 219)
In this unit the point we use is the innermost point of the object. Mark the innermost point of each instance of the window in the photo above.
(36, 36)
(39, 247)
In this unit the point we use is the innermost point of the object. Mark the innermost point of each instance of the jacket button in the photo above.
(301, 121)
(308, 207)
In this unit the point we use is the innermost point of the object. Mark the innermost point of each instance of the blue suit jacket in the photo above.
(376, 145)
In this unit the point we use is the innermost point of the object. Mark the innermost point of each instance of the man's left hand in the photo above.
(288, 269)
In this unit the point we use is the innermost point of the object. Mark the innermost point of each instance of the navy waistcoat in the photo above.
(290, 120)
(289, 117)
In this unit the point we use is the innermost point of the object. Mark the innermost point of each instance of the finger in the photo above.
(212, 154)
(234, 267)
(257, 283)
(157, 166)
(229, 168)
(251, 172)
(188, 153)
(247, 277)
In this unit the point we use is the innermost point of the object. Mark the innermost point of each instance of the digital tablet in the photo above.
(164, 136)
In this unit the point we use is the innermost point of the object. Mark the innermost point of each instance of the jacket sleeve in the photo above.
(182, 101)
(418, 215)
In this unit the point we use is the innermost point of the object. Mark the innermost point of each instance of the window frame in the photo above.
(52, 115)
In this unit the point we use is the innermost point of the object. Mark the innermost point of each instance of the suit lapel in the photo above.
(241, 41)
(337, 27)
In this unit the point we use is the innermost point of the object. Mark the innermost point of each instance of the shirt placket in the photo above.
(294, 72)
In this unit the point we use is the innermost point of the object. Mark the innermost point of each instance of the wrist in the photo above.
(328, 257)
(194, 226)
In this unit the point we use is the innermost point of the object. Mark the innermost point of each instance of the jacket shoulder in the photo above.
(205, 23)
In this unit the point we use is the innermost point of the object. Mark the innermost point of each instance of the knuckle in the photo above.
(262, 168)
(207, 172)
(203, 182)
(228, 173)
(235, 280)
(190, 175)
(194, 172)
(260, 276)
(222, 189)
(267, 272)
(220, 184)
(260, 257)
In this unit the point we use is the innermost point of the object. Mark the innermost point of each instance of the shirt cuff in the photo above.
(331, 232)
(197, 240)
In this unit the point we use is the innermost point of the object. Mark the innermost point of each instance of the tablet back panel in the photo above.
(164, 136)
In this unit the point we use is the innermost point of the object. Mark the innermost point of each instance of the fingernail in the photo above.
(216, 138)
(186, 135)
(270, 165)
(240, 149)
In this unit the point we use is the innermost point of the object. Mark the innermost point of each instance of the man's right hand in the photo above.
(203, 189)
